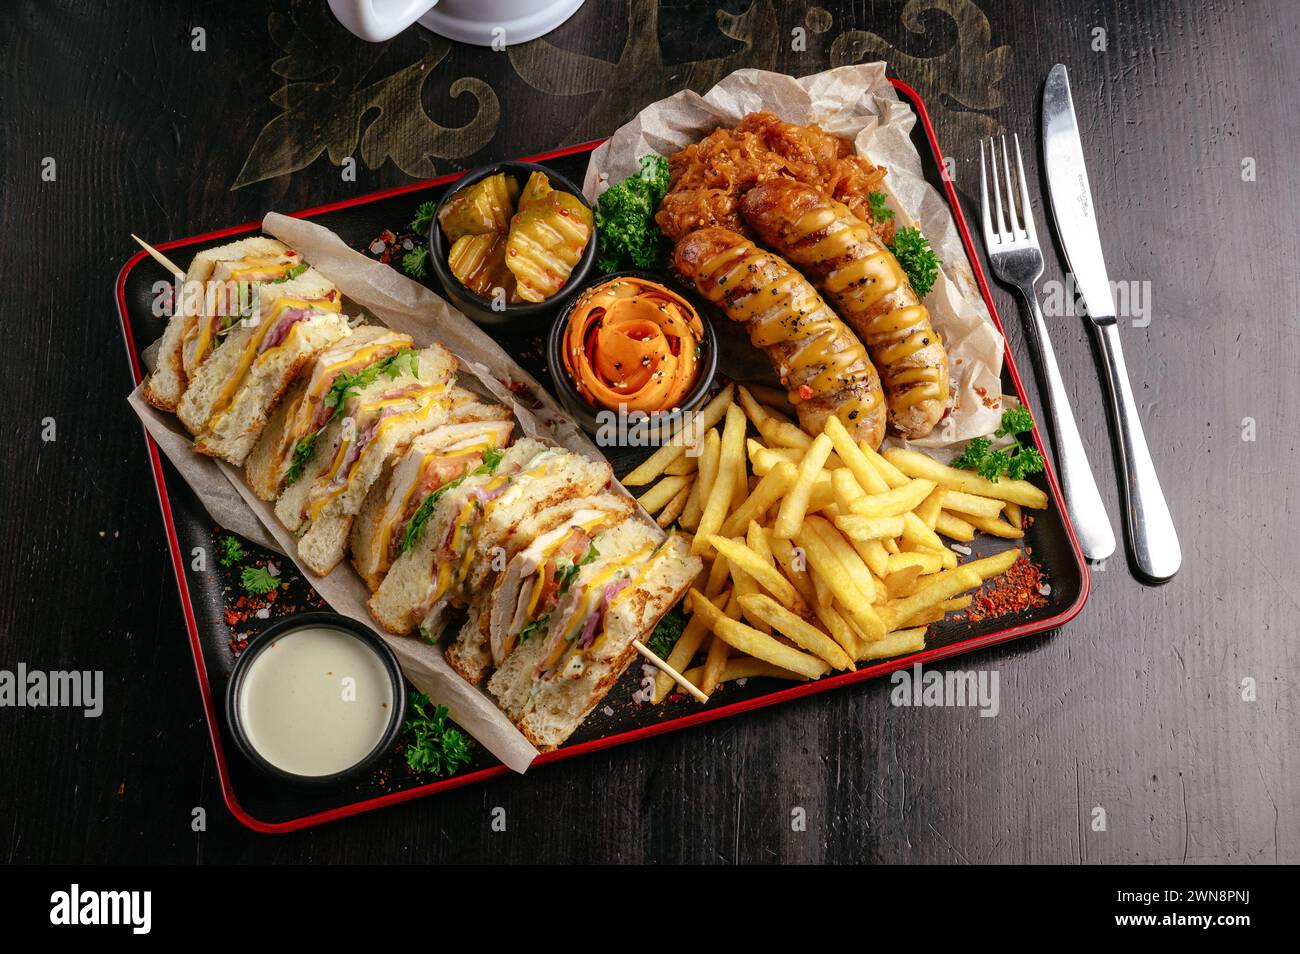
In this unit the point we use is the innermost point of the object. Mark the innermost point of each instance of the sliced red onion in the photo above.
(276, 336)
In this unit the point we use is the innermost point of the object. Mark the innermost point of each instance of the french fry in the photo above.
(839, 628)
(794, 568)
(955, 528)
(719, 573)
(658, 496)
(673, 509)
(902, 582)
(654, 465)
(751, 641)
(826, 564)
(779, 434)
(822, 497)
(756, 540)
(690, 518)
(918, 465)
(753, 410)
(991, 566)
(708, 417)
(821, 588)
(793, 454)
(895, 644)
(767, 576)
(928, 509)
(944, 586)
(760, 608)
(790, 516)
(892, 475)
(929, 562)
(868, 478)
(771, 487)
(745, 667)
(899, 500)
(994, 526)
(851, 560)
(916, 532)
(857, 527)
(964, 503)
(690, 515)
(1014, 516)
(744, 585)
(687, 645)
(947, 556)
(685, 466)
(937, 612)
(715, 660)
(775, 398)
(847, 489)
(718, 501)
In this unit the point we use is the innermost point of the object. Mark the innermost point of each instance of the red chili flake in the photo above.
(1020, 588)
(233, 618)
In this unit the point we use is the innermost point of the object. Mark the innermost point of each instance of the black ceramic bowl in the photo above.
(660, 424)
(332, 621)
(524, 316)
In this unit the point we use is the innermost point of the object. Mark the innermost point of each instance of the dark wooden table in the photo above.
(1136, 708)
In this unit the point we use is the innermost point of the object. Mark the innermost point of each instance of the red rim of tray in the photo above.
(632, 735)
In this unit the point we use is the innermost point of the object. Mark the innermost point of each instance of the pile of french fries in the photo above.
(819, 552)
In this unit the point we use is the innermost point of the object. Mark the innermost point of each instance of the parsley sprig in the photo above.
(232, 551)
(416, 262)
(423, 217)
(1017, 460)
(259, 580)
(879, 211)
(912, 249)
(667, 632)
(436, 746)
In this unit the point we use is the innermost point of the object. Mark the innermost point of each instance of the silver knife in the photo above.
(1151, 534)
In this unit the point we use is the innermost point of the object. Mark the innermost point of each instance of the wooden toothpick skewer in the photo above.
(159, 257)
(658, 663)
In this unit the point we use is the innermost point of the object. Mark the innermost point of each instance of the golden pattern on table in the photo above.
(328, 96)
(967, 74)
(640, 75)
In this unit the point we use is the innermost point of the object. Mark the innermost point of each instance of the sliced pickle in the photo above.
(546, 241)
(479, 263)
(537, 187)
(482, 208)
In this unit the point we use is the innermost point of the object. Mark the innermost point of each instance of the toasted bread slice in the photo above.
(302, 410)
(380, 424)
(510, 522)
(167, 383)
(421, 582)
(543, 646)
(558, 704)
(215, 383)
(434, 458)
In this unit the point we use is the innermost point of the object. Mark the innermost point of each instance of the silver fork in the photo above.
(1018, 261)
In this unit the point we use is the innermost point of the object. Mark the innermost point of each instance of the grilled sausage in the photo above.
(864, 281)
(821, 363)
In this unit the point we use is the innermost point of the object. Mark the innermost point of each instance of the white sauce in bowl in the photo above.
(316, 701)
